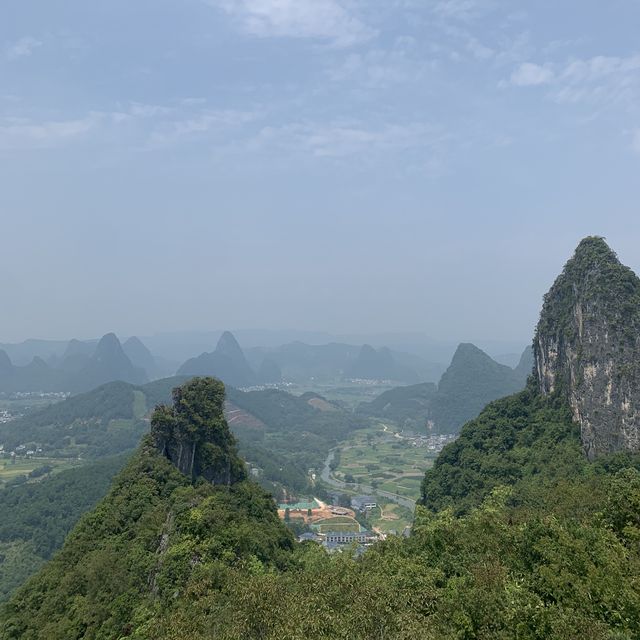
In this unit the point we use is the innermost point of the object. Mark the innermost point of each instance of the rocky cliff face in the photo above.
(587, 347)
(193, 434)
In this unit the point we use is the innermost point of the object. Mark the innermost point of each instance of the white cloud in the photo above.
(344, 139)
(200, 124)
(601, 80)
(22, 48)
(530, 75)
(321, 19)
(141, 126)
(22, 132)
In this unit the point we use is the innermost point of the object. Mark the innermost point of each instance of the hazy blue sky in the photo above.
(343, 165)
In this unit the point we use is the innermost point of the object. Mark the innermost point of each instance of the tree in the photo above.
(287, 514)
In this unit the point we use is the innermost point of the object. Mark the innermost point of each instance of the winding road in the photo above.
(327, 477)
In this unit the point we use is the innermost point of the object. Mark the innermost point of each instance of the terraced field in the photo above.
(378, 458)
(23, 467)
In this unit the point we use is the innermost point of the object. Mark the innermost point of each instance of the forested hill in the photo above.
(524, 441)
(281, 437)
(471, 381)
(158, 530)
(105, 421)
(165, 557)
(36, 517)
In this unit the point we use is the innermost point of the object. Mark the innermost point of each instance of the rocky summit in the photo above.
(193, 433)
(587, 347)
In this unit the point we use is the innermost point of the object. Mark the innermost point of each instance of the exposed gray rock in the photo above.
(587, 347)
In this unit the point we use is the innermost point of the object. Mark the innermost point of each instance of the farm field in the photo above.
(390, 518)
(23, 467)
(378, 458)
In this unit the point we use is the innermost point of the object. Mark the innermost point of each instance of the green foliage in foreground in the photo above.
(217, 568)
(549, 550)
(36, 517)
(152, 533)
(292, 427)
(526, 440)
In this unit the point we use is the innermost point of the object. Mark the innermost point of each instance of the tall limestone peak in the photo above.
(194, 435)
(109, 349)
(140, 355)
(373, 364)
(108, 363)
(227, 362)
(471, 381)
(587, 347)
(228, 345)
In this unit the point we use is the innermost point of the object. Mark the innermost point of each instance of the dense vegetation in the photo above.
(156, 529)
(82, 418)
(603, 280)
(278, 474)
(36, 517)
(546, 545)
(292, 427)
(163, 559)
(194, 435)
(518, 437)
(566, 571)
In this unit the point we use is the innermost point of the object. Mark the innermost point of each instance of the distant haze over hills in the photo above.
(227, 362)
(172, 349)
(81, 367)
(76, 364)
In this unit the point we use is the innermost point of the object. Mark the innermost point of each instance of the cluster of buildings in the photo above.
(20, 451)
(435, 442)
(5, 416)
(334, 541)
(363, 504)
(46, 395)
(325, 522)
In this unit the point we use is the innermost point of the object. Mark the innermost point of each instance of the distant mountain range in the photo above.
(81, 367)
(300, 362)
(39, 365)
(227, 362)
(471, 381)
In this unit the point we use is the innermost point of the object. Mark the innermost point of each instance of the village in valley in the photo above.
(332, 526)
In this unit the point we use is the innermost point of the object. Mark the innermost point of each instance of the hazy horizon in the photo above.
(328, 165)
